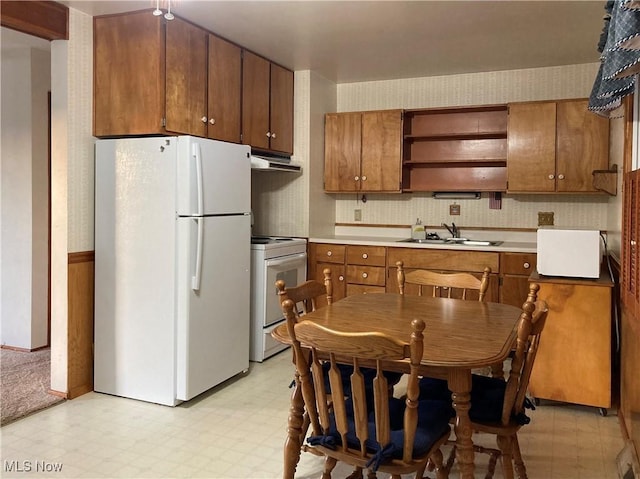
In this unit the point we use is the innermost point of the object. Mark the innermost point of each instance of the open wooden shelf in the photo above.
(455, 149)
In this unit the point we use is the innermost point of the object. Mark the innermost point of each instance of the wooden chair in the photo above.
(375, 432)
(444, 284)
(308, 294)
(497, 407)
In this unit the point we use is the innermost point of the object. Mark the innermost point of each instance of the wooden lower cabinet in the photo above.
(443, 260)
(515, 269)
(574, 357)
(332, 256)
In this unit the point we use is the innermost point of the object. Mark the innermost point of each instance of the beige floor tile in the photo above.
(238, 430)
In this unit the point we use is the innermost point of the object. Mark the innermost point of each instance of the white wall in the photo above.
(24, 193)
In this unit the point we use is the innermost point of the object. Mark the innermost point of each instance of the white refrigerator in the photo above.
(172, 265)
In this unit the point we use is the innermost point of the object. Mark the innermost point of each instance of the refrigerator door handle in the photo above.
(195, 279)
(197, 155)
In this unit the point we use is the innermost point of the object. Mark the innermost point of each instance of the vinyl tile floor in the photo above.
(237, 430)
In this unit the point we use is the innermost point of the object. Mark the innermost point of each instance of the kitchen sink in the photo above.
(452, 241)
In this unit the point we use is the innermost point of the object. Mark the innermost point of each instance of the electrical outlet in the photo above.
(545, 218)
(357, 215)
(454, 209)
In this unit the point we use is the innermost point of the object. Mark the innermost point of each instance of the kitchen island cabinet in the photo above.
(267, 104)
(363, 151)
(574, 356)
(554, 146)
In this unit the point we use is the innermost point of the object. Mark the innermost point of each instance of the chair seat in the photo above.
(433, 424)
(487, 396)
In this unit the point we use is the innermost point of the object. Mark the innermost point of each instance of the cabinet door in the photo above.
(342, 148)
(531, 143)
(381, 151)
(281, 124)
(255, 100)
(186, 78)
(582, 146)
(128, 75)
(224, 90)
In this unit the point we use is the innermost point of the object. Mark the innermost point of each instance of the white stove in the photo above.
(272, 258)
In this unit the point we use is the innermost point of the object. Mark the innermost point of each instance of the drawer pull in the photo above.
(329, 253)
(340, 278)
(526, 265)
(365, 255)
(365, 275)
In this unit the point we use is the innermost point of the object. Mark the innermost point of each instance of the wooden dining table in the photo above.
(459, 336)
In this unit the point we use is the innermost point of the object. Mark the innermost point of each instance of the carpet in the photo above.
(25, 378)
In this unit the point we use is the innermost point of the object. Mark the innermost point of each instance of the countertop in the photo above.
(506, 246)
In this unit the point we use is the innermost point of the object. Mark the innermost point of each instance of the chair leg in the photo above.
(356, 474)
(329, 464)
(505, 446)
(371, 474)
(442, 471)
(521, 470)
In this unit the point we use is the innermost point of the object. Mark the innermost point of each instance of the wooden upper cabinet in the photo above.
(381, 151)
(186, 78)
(582, 145)
(342, 151)
(224, 90)
(281, 125)
(555, 146)
(128, 75)
(267, 104)
(531, 142)
(363, 151)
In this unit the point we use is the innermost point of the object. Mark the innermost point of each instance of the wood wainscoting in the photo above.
(80, 323)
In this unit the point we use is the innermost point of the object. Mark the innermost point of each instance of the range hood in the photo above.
(265, 163)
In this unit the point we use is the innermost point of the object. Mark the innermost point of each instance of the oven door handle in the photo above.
(277, 262)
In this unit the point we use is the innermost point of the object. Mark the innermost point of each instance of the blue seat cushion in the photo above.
(487, 396)
(433, 423)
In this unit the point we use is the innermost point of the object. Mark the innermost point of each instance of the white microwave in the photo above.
(574, 253)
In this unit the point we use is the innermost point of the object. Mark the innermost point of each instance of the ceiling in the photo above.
(353, 41)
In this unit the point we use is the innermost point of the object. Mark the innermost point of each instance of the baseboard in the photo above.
(57, 393)
(23, 350)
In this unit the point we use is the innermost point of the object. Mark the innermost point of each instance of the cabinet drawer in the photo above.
(366, 255)
(373, 275)
(445, 259)
(363, 288)
(330, 253)
(518, 263)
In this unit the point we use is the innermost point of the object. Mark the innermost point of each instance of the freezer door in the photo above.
(213, 306)
(214, 177)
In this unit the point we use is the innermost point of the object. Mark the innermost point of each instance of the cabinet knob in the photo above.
(365, 275)
(551, 177)
(526, 265)
(268, 134)
(633, 242)
(561, 177)
(212, 121)
(329, 253)
(364, 178)
(273, 136)
(356, 178)
(340, 278)
(203, 119)
(365, 255)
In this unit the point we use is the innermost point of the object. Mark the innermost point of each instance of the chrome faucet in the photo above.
(453, 230)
